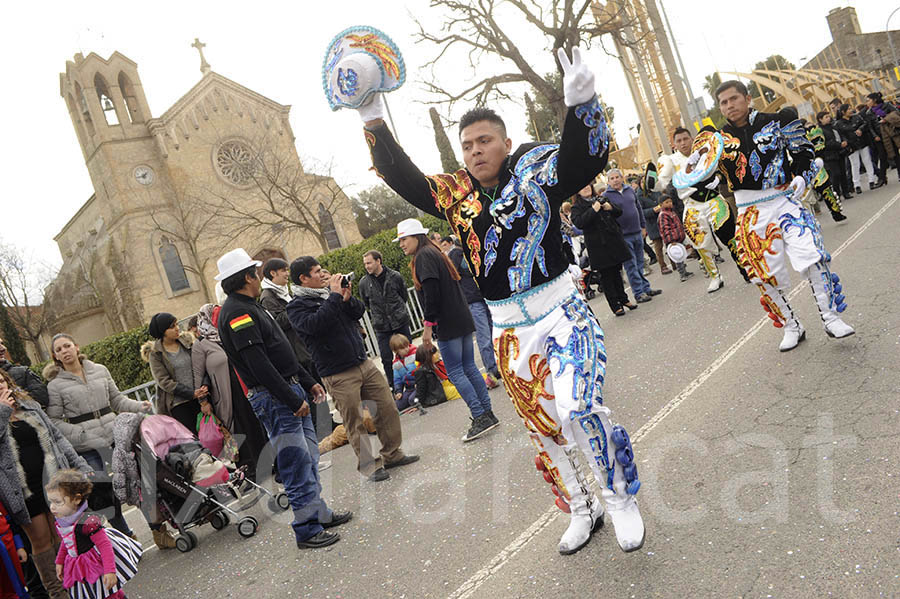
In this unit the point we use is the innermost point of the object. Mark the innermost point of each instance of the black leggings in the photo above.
(613, 287)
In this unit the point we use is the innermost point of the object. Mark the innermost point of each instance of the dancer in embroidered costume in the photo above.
(772, 225)
(505, 208)
(707, 216)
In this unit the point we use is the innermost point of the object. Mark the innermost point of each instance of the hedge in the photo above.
(121, 354)
(350, 259)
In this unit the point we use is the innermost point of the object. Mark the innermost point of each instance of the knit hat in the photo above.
(159, 323)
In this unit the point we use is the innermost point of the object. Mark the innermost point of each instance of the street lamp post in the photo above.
(887, 30)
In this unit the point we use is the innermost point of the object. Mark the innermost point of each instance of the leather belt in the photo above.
(88, 416)
(294, 380)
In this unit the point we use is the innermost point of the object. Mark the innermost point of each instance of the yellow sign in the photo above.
(897, 73)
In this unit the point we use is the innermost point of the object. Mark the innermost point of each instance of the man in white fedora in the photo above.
(504, 207)
(277, 390)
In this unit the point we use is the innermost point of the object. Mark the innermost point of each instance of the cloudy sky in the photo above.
(276, 49)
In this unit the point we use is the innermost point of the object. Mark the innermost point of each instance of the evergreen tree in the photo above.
(15, 348)
(448, 158)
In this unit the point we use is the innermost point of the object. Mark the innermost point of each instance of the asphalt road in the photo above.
(764, 474)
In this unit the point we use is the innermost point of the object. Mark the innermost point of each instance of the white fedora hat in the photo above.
(408, 227)
(234, 262)
(676, 252)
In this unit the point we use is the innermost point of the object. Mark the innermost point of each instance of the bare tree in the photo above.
(22, 284)
(191, 223)
(283, 196)
(479, 28)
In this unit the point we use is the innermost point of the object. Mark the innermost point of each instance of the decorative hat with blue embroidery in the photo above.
(360, 61)
(704, 159)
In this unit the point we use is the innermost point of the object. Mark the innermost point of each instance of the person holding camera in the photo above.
(326, 316)
(277, 389)
(596, 216)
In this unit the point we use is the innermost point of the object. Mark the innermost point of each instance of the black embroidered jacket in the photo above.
(768, 152)
(512, 243)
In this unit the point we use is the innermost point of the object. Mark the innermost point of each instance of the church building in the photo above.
(215, 171)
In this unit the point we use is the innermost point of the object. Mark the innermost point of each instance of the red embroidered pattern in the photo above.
(456, 196)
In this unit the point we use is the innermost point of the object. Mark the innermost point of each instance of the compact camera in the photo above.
(347, 279)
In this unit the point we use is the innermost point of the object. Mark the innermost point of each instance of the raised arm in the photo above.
(398, 170)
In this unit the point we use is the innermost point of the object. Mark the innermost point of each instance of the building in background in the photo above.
(217, 170)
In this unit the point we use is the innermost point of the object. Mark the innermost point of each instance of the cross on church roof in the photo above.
(204, 66)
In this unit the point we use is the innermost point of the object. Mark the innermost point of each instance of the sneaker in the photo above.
(480, 426)
(858, 190)
(653, 292)
(338, 518)
(643, 298)
(490, 414)
(323, 539)
(684, 277)
(379, 475)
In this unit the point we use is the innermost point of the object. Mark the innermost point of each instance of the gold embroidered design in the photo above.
(526, 394)
(753, 249)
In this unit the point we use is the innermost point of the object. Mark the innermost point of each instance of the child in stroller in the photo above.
(157, 461)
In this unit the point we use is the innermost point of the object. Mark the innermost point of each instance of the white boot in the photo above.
(837, 328)
(826, 288)
(625, 516)
(587, 518)
(715, 284)
(794, 333)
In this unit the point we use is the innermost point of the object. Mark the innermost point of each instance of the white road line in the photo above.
(469, 587)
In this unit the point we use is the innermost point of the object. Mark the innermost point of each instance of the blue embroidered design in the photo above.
(585, 353)
(805, 222)
(339, 52)
(591, 114)
(535, 168)
(491, 240)
(348, 82)
(597, 439)
(755, 166)
(767, 139)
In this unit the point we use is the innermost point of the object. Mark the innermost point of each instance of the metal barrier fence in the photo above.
(147, 391)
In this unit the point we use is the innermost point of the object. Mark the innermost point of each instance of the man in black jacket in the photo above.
(833, 154)
(24, 378)
(326, 316)
(277, 389)
(274, 297)
(383, 291)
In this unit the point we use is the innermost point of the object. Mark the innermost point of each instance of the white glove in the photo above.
(578, 80)
(713, 184)
(373, 109)
(797, 186)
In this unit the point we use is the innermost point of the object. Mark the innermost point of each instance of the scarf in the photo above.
(323, 293)
(879, 110)
(280, 290)
(205, 326)
(66, 527)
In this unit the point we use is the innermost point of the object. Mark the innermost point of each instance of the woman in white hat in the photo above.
(448, 318)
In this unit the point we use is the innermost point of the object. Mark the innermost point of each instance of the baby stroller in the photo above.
(588, 277)
(189, 485)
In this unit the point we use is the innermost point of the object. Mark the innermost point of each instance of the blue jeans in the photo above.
(297, 454)
(482, 319)
(459, 358)
(634, 266)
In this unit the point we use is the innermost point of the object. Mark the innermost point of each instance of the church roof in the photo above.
(209, 81)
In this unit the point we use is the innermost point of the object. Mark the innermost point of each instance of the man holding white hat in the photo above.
(505, 209)
(277, 390)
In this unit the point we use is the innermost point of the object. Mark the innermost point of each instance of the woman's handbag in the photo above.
(209, 435)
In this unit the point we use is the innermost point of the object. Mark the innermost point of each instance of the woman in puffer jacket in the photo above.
(84, 401)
